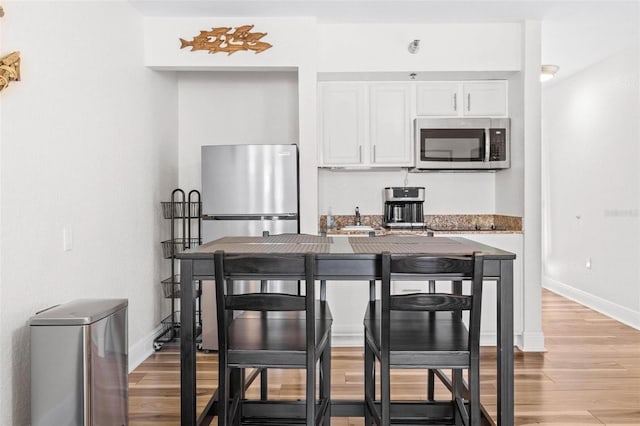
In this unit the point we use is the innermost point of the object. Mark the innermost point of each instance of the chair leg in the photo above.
(456, 378)
(474, 392)
(325, 380)
(430, 373)
(264, 392)
(369, 382)
(385, 391)
(236, 393)
(311, 389)
(372, 290)
(431, 385)
(223, 390)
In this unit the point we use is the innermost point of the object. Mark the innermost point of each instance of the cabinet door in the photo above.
(390, 124)
(438, 98)
(487, 98)
(342, 123)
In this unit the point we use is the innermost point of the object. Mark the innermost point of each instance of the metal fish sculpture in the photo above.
(223, 39)
(9, 69)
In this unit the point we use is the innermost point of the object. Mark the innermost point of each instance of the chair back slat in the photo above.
(265, 302)
(430, 302)
(267, 266)
(453, 266)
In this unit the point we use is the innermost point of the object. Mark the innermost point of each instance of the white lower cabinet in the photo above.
(348, 299)
(365, 124)
(488, 324)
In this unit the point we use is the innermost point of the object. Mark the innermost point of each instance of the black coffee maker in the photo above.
(403, 207)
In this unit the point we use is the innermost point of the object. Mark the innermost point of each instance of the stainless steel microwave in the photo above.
(462, 143)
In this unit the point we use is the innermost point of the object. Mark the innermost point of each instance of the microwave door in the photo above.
(453, 146)
(462, 143)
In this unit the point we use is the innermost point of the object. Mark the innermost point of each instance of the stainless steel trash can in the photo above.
(79, 364)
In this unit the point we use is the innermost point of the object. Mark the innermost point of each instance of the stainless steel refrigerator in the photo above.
(246, 190)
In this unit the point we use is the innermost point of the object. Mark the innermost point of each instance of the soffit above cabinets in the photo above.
(416, 76)
(379, 11)
(598, 28)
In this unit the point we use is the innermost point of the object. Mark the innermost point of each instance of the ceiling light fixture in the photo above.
(547, 72)
(414, 46)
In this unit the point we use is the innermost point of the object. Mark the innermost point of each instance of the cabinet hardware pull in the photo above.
(455, 102)
(360, 154)
(468, 101)
(374, 153)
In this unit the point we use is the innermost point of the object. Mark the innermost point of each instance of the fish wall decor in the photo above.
(227, 39)
(9, 65)
(9, 69)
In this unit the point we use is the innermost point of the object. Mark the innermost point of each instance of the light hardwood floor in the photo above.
(590, 375)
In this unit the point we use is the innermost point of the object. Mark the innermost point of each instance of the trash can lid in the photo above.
(79, 312)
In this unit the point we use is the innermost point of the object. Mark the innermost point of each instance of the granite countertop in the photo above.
(436, 224)
(386, 231)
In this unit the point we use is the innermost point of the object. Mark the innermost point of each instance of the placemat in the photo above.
(402, 239)
(433, 249)
(270, 248)
(277, 239)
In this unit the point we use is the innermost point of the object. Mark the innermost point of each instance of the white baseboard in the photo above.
(491, 339)
(488, 339)
(142, 349)
(531, 342)
(347, 340)
(605, 307)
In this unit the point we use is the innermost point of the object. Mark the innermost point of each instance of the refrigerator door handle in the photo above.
(283, 216)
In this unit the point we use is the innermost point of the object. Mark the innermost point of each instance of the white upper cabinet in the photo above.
(471, 99)
(486, 98)
(390, 124)
(437, 98)
(342, 123)
(365, 124)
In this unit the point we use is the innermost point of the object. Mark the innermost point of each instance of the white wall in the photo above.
(509, 186)
(533, 338)
(3, 333)
(89, 144)
(592, 186)
(444, 47)
(446, 193)
(228, 108)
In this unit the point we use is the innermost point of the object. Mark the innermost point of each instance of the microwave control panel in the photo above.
(497, 144)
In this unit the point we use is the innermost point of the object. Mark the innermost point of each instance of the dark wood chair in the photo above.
(425, 331)
(271, 330)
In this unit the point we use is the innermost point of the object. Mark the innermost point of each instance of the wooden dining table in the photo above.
(343, 259)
